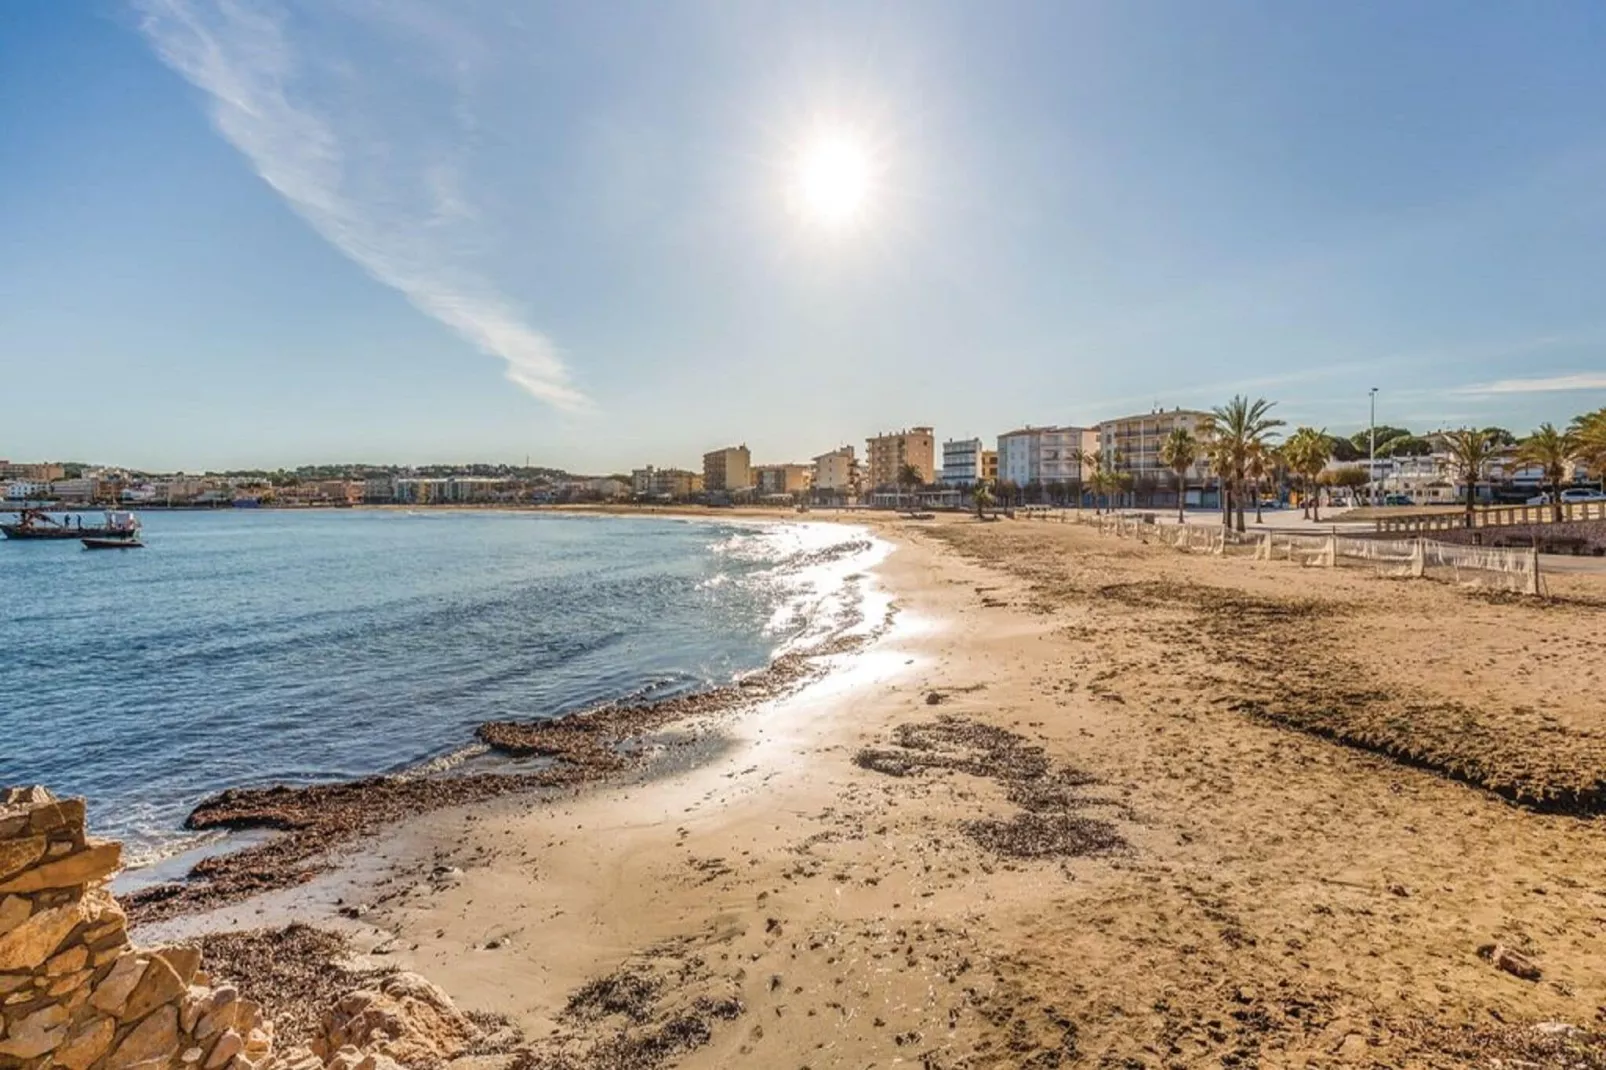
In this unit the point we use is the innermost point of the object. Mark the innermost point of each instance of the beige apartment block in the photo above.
(1133, 442)
(783, 478)
(834, 471)
(728, 469)
(890, 452)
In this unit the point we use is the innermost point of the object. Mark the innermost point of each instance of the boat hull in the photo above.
(17, 531)
(112, 544)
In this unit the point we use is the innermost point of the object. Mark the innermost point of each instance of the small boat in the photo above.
(112, 544)
(39, 524)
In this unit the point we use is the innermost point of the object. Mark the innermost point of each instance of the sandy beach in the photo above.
(1083, 802)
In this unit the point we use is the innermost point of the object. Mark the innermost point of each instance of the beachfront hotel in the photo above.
(783, 478)
(728, 469)
(891, 451)
(965, 462)
(1133, 442)
(1044, 455)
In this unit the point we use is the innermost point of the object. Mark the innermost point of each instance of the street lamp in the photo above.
(1371, 446)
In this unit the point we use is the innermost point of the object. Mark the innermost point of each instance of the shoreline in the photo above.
(1027, 827)
(275, 836)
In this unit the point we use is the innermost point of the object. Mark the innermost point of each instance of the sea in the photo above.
(252, 647)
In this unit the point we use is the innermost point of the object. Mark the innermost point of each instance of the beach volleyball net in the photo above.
(1479, 567)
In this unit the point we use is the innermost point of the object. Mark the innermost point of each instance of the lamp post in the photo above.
(1371, 446)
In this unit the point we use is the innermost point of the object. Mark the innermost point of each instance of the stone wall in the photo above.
(1586, 536)
(74, 993)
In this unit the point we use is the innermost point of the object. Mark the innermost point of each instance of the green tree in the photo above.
(910, 478)
(1362, 439)
(1237, 428)
(1500, 436)
(1178, 451)
(1589, 442)
(1259, 466)
(982, 496)
(1308, 451)
(1405, 446)
(1548, 450)
(1351, 477)
(1344, 450)
(1470, 453)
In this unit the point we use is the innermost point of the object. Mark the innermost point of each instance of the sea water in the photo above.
(255, 647)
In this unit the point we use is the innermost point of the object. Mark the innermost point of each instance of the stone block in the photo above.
(14, 910)
(64, 816)
(70, 961)
(227, 1047)
(111, 995)
(88, 1043)
(95, 861)
(39, 1032)
(17, 855)
(72, 981)
(183, 959)
(28, 945)
(10, 982)
(153, 1040)
(159, 985)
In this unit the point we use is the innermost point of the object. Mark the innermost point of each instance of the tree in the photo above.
(1589, 442)
(1344, 450)
(982, 496)
(1363, 438)
(1470, 453)
(1237, 427)
(1259, 464)
(1405, 446)
(1350, 477)
(1500, 436)
(1548, 450)
(909, 476)
(1308, 451)
(1178, 452)
(1086, 464)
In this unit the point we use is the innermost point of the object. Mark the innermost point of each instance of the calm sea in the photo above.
(246, 647)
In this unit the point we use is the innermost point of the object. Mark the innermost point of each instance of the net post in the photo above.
(1533, 570)
(1330, 555)
(1418, 558)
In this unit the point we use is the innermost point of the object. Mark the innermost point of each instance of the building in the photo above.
(31, 473)
(83, 489)
(783, 478)
(1043, 456)
(962, 462)
(1132, 444)
(728, 469)
(675, 483)
(26, 490)
(834, 471)
(608, 488)
(889, 452)
(379, 488)
(989, 465)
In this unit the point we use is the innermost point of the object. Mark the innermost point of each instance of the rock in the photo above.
(299, 1058)
(191, 1056)
(14, 910)
(18, 855)
(87, 1044)
(156, 1038)
(39, 1032)
(227, 1047)
(70, 961)
(197, 1003)
(28, 945)
(406, 1018)
(70, 983)
(10, 982)
(67, 814)
(113, 992)
(183, 959)
(92, 863)
(159, 985)
(1513, 962)
(349, 1058)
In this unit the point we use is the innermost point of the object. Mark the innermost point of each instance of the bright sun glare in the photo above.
(833, 179)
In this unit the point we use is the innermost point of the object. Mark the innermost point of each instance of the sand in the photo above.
(1086, 802)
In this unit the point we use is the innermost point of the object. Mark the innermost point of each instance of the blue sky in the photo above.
(287, 231)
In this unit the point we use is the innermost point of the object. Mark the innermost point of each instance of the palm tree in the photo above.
(1548, 450)
(983, 497)
(1237, 427)
(1178, 452)
(1308, 451)
(1259, 463)
(1470, 453)
(909, 476)
(1589, 442)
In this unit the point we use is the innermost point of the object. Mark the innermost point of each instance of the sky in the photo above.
(280, 232)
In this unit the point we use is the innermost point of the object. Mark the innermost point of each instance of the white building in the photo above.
(961, 461)
(25, 490)
(1042, 455)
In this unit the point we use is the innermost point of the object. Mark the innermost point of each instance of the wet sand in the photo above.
(1086, 802)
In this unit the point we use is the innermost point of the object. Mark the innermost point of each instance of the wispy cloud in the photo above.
(398, 216)
(1538, 385)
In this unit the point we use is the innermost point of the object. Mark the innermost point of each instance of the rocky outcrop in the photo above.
(74, 992)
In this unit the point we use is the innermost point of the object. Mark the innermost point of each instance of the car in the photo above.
(1571, 494)
(1398, 499)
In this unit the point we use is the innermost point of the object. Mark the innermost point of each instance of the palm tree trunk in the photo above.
(1257, 503)
(1316, 503)
(1472, 491)
(1182, 492)
(1555, 498)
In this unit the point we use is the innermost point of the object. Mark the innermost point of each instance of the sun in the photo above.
(833, 180)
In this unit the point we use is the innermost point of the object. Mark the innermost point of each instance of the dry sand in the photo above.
(1086, 803)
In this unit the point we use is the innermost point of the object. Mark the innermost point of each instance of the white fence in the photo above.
(1515, 570)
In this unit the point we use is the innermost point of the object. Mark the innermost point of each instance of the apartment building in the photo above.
(783, 478)
(834, 471)
(650, 482)
(962, 462)
(1043, 455)
(1133, 443)
(889, 452)
(989, 465)
(728, 469)
(31, 473)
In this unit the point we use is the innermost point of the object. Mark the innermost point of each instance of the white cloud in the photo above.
(1538, 385)
(353, 186)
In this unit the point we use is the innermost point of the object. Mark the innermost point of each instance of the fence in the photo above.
(1492, 517)
(1514, 570)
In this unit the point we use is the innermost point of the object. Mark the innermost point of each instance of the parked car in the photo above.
(1571, 494)
(1398, 499)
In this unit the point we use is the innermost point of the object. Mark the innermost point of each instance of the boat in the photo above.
(112, 544)
(39, 524)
